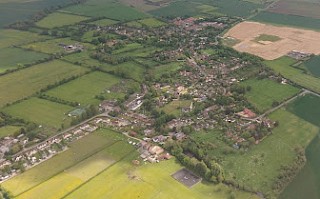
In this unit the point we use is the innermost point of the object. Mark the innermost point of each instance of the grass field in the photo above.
(84, 59)
(260, 166)
(19, 10)
(264, 92)
(283, 66)
(104, 22)
(40, 111)
(152, 22)
(288, 20)
(265, 37)
(80, 173)
(175, 107)
(57, 19)
(8, 130)
(12, 58)
(128, 47)
(79, 151)
(313, 65)
(304, 107)
(53, 46)
(10, 37)
(109, 9)
(85, 88)
(160, 70)
(26, 82)
(130, 70)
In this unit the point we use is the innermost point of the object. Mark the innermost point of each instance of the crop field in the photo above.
(259, 166)
(130, 70)
(152, 22)
(26, 82)
(8, 130)
(54, 46)
(300, 8)
(108, 9)
(288, 20)
(207, 7)
(264, 92)
(283, 66)
(247, 32)
(304, 107)
(175, 107)
(12, 58)
(313, 65)
(19, 10)
(78, 152)
(57, 19)
(40, 111)
(10, 37)
(85, 88)
(104, 22)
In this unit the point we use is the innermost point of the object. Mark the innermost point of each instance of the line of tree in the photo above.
(88, 112)
(58, 100)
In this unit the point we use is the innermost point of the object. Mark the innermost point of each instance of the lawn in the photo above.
(79, 151)
(264, 92)
(71, 178)
(12, 58)
(10, 37)
(259, 166)
(26, 82)
(104, 22)
(283, 66)
(152, 22)
(288, 20)
(175, 107)
(40, 111)
(54, 46)
(58, 19)
(85, 88)
(108, 8)
(8, 130)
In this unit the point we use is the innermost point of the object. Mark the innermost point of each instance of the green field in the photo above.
(152, 22)
(12, 58)
(8, 130)
(85, 88)
(130, 70)
(84, 59)
(10, 37)
(259, 166)
(264, 92)
(160, 70)
(207, 7)
(26, 82)
(175, 107)
(108, 8)
(53, 46)
(288, 20)
(304, 107)
(40, 111)
(283, 66)
(265, 37)
(104, 22)
(59, 19)
(313, 65)
(128, 47)
(79, 151)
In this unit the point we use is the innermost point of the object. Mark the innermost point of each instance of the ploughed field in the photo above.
(290, 39)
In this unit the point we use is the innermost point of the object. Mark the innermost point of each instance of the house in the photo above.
(246, 113)
(156, 150)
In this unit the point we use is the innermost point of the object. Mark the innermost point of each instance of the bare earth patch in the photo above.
(291, 39)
